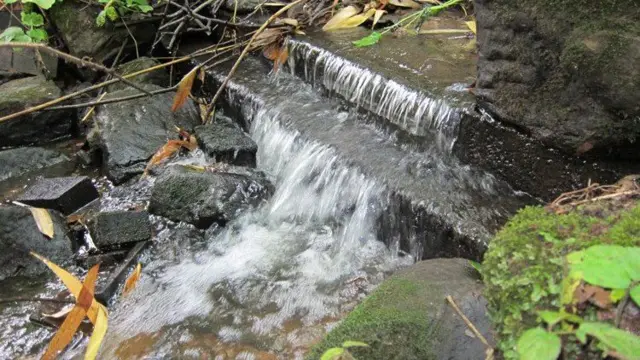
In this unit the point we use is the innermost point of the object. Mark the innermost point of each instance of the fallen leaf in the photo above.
(60, 314)
(267, 37)
(168, 149)
(471, 25)
(43, 220)
(601, 298)
(341, 16)
(71, 323)
(586, 146)
(271, 51)
(184, 89)
(132, 280)
(376, 17)
(99, 330)
(405, 4)
(202, 74)
(283, 55)
(288, 21)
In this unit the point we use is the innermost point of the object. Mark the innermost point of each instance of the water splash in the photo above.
(412, 110)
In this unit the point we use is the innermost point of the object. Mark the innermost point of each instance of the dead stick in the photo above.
(468, 322)
(72, 59)
(244, 53)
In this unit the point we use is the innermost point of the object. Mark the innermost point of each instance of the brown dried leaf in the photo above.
(184, 89)
(132, 280)
(283, 55)
(341, 16)
(271, 51)
(170, 148)
(601, 298)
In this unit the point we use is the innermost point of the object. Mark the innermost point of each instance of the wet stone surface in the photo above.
(227, 143)
(116, 229)
(65, 194)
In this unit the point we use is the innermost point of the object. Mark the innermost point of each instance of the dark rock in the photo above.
(128, 133)
(408, 318)
(65, 194)
(19, 235)
(227, 143)
(25, 61)
(17, 163)
(76, 23)
(119, 274)
(111, 230)
(36, 127)
(108, 259)
(241, 6)
(204, 198)
(158, 77)
(565, 72)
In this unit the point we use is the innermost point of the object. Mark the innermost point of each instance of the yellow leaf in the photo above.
(201, 75)
(342, 15)
(377, 16)
(132, 280)
(353, 21)
(405, 4)
(43, 220)
(288, 21)
(73, 284)
(471, 25)
(99, 330)
(184, 89)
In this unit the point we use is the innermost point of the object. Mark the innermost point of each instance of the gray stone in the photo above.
(65, 194)
(242, 6)
(158, 77)
(36, 127)
(116, 229)
(567, 72)
(26, 62)
(408, 318)
(19, 235)
(203, 198)
(128, 133)
(227, 143)
(16, 163)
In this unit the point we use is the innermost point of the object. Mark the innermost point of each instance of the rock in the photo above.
(36, 127)
(26, 62)
(204, 198)
(408, 318)
(227, 143)
(158, 77)
(536, 263)
(76, 23)
(565, 72)
(241, 6)
(117, 229)
(65, 194)
(20, 162)
(128, 133)
(19, 235)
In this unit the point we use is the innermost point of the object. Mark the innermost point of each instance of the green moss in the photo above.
(524, 265)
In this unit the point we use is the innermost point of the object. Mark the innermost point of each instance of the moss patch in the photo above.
(524, 266)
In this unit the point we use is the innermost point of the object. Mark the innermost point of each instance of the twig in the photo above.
(70, 58)
(35, 299)
(135, 42)
(471, 326)
(244, 53)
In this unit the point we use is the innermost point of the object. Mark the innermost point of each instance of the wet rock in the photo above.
(76, 23)
(65, 194)
(16, 163)
(36, 127)
(407, 316)
(565, 72)
(158, 77)
(128, 133)
(204, 198)
(242, 6)
(227, 143)
(26, 62)
(19, 235)
(116, 229)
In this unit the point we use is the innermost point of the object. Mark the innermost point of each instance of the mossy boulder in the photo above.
(524, 266)
(408, 318)
(564, 71)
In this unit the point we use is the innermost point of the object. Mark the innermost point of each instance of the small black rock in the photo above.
(117, 229)
(65, 194)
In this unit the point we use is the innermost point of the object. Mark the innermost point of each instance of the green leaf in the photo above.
(368, 40)
(608, 266)
(617, 295)
(349, 343)
(332, 353)
(554, 317)
(10, 33)
(145, 8)
(111, 12)
(537, 344)
(31, 19)
(101, 18)
(45, 4)
(38, 35)
(625, 344)
(476, 265)
(635, 294)
(9, 2)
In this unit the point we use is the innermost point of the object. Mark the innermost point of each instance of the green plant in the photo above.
(341, 353)
(113, 9)
(598, 267)
(31, 19)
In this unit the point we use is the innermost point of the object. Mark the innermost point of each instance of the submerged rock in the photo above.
(567, 72)
(128, 133)
(19, 235)
(36, 127)
(227, 143)
(203, 198)
(408, 318)
(158, 77)
(18, 162)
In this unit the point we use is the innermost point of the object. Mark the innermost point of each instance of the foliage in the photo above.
(525, 267)
(342, 352)
(113, 9)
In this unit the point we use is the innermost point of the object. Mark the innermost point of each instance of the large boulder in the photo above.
(159, 77)
(19, 162)
(36, 127)
(408, 318)
(567, 72)
(129, 132)
(19, 235)
(202, 198)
